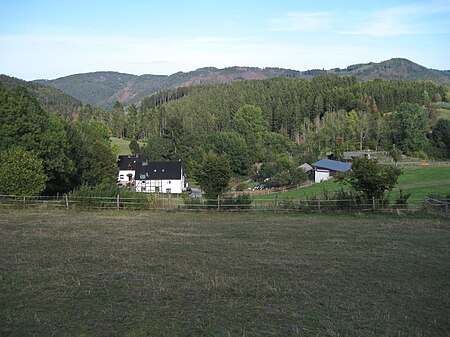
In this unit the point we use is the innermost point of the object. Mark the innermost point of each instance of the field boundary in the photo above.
(168, 203)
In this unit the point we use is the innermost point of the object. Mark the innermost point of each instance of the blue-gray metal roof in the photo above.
(332, 165)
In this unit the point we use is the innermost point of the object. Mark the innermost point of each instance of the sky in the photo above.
(46, 39)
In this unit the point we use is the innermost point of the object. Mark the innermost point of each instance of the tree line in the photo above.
(42, 153)
(264, 129)
(288, 118)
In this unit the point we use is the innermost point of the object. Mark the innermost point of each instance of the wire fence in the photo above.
(169, 203)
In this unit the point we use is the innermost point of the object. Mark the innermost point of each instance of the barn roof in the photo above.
(305, 167)
(332, 165)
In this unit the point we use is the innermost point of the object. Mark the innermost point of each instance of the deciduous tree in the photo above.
(21, 173)
(370, 178)
(213, 174)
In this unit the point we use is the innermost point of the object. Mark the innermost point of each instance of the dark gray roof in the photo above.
(127, 162)
(170, 170)
(332, 165)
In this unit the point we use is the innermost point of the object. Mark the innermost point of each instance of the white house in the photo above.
(160, 177)
(326, 168)
(127, 170)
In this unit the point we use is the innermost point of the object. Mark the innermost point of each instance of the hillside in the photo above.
(103, 89)
(50, 98)
(394, 69)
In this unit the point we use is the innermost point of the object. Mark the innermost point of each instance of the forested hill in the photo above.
(395, 69)
(103, 89)
(50, 98)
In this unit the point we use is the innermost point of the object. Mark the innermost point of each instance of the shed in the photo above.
(325, 169)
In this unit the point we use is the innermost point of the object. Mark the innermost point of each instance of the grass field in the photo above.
(123, 145)
(419, 181)
(220, 274)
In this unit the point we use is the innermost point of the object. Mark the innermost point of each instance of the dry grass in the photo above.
(214, 274)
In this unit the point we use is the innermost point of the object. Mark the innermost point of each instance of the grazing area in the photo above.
(220, 274)
(419, 181)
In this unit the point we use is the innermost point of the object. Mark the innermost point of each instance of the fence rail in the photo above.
(275, 204)
(439, 206)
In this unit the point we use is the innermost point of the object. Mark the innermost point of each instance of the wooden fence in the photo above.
(439, 206)
(227, 204)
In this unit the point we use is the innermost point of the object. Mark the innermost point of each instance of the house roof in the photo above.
(170, 170)
(332, 165)
(127, 162)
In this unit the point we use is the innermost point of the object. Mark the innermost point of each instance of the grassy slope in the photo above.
(123, 145)
(213, 274)
(419, 181)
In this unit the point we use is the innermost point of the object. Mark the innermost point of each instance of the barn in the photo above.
(325, 169)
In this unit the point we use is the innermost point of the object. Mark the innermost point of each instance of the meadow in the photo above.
(419, 181)
(67, 273)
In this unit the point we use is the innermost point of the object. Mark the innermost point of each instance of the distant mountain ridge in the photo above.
(104, 88)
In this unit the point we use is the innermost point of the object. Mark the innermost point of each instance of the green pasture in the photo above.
(419, 181)
(67, 273)
(122, 145)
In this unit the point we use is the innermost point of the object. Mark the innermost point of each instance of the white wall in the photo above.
(321, 175)
(123, 178)
(150, 186)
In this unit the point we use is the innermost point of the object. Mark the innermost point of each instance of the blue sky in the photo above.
(50, 39)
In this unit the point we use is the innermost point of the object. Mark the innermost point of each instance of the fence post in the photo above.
(118, 202)
(67, 201)
(24, 202)
(373, 203)
(275, 205)
(318, 205)
(218, 202)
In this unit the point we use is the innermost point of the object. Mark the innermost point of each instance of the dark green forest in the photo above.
(292, 118)
(266, 128)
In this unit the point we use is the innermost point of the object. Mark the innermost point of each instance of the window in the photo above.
(121, 176)
(170, 182)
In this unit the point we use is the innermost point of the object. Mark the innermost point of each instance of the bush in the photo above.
(105, 196)
(402, 199)
(239, 202)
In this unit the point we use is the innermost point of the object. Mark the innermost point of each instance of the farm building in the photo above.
(326, 168)
(144, 176)
(160, 177)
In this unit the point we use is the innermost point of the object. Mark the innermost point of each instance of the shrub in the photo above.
(105, 196)
(402, 199)
(239, 202)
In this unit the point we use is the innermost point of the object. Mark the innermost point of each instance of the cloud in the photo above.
(214, 40)
(419, 18)
(301, 22)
